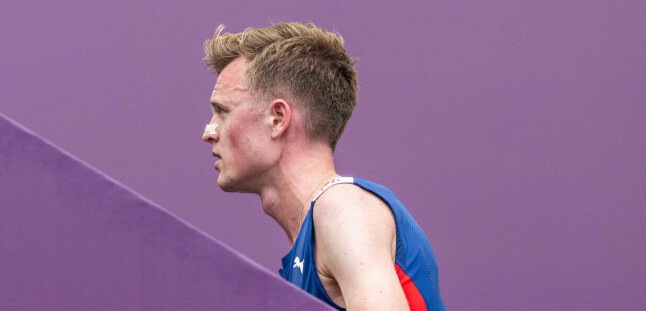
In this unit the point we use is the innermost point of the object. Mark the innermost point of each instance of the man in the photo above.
(282, 99)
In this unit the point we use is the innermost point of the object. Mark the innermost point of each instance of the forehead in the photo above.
(231, 85)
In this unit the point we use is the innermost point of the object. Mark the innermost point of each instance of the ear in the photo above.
(281, 116)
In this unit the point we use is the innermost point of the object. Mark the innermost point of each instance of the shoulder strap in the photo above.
(332, 182)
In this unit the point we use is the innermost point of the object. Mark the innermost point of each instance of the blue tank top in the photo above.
(415, 263)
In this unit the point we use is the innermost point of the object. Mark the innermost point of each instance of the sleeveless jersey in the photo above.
(415, 263)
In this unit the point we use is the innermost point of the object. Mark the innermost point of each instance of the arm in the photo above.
(354, 238)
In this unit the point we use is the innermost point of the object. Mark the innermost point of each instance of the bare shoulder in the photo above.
(354, 221)
(355, 241)
(348, 202)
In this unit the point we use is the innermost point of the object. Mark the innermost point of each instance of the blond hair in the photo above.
(298, 60)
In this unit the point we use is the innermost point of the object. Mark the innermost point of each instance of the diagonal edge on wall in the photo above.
(73, 237)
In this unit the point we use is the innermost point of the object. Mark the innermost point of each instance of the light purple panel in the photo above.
(71, 238)
(512, 130)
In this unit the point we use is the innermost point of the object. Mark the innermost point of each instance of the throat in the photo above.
(285, 212)
(288, 200)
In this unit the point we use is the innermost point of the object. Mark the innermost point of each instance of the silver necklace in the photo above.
(317, 186)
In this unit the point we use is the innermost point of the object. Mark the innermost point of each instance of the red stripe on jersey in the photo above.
(415, 300)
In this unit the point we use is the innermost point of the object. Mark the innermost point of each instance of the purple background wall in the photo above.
(513, 130)
(73, 239)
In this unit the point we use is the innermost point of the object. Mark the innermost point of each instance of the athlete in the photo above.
(281, 101)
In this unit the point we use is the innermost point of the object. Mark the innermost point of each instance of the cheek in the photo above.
(246, 138)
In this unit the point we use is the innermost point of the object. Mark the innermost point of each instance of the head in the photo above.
(300, 62)
(291, 70)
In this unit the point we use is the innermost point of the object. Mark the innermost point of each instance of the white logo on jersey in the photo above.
(299, 263)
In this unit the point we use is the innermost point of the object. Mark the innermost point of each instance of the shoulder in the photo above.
(355, 245)
(351, 204)
(350, 221)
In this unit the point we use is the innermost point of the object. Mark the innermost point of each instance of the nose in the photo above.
(211, 133)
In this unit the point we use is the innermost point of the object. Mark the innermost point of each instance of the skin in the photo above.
(263, 149)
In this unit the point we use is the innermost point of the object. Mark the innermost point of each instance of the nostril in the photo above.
(210, 133)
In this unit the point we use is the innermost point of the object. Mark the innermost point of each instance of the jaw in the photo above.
(249, 184)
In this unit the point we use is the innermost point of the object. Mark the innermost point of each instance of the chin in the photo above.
(227, 185)
(227, 188)
(232, 185)
(224, 185)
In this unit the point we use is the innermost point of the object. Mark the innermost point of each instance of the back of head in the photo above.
(297, 61)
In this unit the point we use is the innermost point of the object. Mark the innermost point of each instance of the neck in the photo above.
(295, 181)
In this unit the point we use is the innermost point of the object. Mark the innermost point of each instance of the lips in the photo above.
(215, 165)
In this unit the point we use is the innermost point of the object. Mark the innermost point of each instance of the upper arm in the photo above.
(354, 236)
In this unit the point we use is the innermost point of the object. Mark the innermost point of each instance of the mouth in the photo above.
(215, 165)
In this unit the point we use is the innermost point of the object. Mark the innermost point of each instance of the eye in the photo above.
(216, 109)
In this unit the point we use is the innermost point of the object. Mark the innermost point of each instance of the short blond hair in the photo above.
(299, 60)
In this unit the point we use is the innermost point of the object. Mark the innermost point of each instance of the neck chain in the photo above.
(317, 186)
